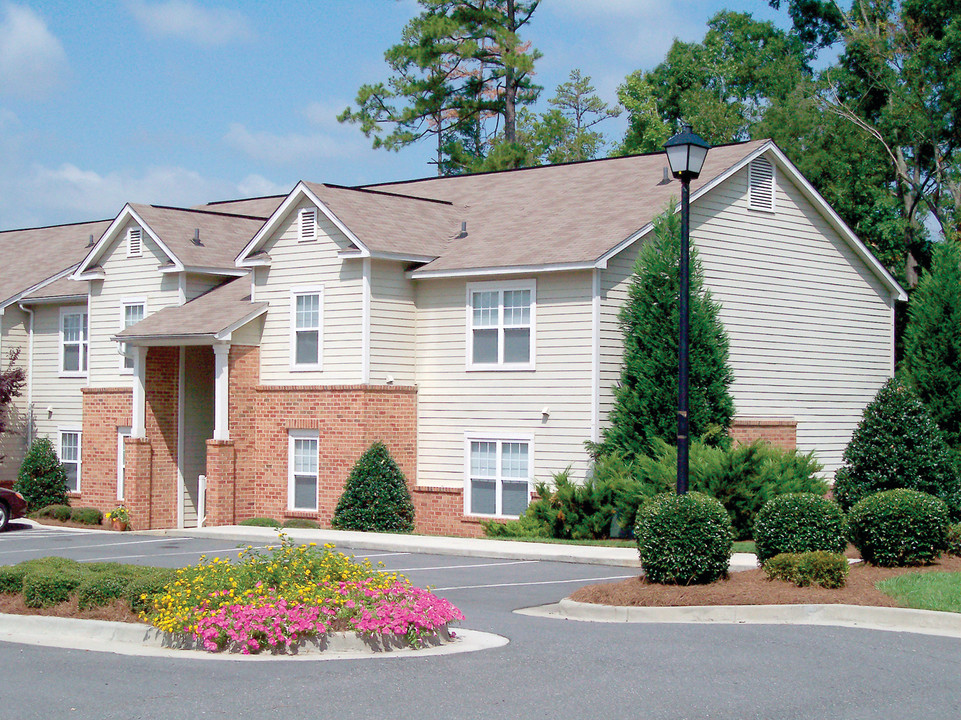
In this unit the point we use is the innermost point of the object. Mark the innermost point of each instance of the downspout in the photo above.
(29, 312)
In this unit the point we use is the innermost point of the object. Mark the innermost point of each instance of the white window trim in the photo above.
(293, 435)
(122, 433)
(750, 178)
(78, 431)
(500, 287)
(124, 303)
(301, 216)
(294, 293)
(84, 343)
(139, 250)
(474, 436)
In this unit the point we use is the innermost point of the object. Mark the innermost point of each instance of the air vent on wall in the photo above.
(134, 242)
(308, 224)
(761, 185)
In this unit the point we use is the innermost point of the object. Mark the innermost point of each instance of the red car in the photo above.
(12, 506)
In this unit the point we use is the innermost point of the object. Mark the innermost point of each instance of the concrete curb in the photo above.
(925, 622)
(145, 641)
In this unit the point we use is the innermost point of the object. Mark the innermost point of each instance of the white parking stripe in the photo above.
(84, 547)
(111, 558)
(542, 582)
(459, 567)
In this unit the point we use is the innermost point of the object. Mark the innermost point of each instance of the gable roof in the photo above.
(257, 207)
(35, 257)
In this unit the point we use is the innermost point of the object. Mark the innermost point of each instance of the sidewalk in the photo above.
(438, 545)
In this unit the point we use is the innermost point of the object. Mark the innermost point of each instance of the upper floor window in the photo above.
(133, 312)
(308, 224)
(70, 458)
(134, 242)
(73, 341)
(306, 328)
(500, 318)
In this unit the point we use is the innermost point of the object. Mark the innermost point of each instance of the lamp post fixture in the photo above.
(685, 154)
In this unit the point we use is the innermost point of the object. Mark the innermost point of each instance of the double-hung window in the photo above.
(302, 458)
(133, 311)
(306, 329)
(70, 458)
(73, 342)
(499, 475)
(500, 320)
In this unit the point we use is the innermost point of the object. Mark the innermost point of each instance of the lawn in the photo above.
(926, 591)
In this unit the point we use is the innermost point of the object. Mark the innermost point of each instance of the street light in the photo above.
(685, 154)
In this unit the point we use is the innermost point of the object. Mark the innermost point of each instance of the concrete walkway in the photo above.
(440, 545)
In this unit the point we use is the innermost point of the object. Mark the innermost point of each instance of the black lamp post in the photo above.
(685, 154)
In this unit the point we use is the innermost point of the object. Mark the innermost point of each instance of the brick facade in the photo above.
(779, 431)
(104, 410)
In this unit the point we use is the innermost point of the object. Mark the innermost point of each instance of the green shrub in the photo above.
(899, 527)
(100, 589)
(526, 526)
(140, 591)
(86, 515)
(376, 497)
(897, 445)
(260, 522)
(43, 588)
(954, 540)
(684, 539)
(797, 523)
(11, 579)
(577, 510)
(42, 480)
(816, 567)
(57, 512)
(302, 523)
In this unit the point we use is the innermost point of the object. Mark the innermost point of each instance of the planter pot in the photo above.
(118, 525)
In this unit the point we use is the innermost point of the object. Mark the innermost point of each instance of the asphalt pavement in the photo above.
(551, 668)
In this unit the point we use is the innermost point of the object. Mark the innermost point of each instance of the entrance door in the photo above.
(122, 432)
(197, 424)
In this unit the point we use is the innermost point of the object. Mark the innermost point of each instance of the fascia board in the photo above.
(253, 315)
(205, 270)
(128, 213)
(37, 286)
(487, 272)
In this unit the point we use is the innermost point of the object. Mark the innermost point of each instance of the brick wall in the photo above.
(162, 371)
(104, 410)
(440, 511)
(779, 431)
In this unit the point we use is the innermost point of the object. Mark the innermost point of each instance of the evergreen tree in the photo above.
(645, 401)
(376, 497)
(932, 341)
(42, 480)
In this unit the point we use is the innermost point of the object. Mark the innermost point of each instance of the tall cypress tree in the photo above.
(932, 341)
(645, 400)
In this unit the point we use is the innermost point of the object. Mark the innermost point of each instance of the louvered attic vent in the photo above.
(134, 242)
(308, 224)
(761, 185)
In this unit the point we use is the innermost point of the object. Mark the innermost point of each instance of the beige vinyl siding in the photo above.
(198, 424)
(13, 441)
(197, 284)
(57, 401)
(501, 404)
(392, 318)
(248, 334)
(810, 325)
(295, 264)
(125, 278)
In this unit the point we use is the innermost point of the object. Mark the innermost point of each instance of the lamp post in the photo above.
(685, 154)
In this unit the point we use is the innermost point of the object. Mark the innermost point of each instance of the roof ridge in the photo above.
(205, 212)
(363, 189)
(258, 197)
(51, 227)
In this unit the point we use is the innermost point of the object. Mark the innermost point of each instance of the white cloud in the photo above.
(185, 20)
(324, 114)
(32, 60)
(258, 186)
(284, 149)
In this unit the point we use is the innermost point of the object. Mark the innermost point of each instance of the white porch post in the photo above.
(221, 377)
(138, 427)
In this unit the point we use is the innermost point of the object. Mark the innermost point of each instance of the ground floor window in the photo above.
(499, 473)
(70, 458)
(302, 465)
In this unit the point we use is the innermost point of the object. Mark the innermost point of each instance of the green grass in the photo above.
(925, 591)
(745, 546)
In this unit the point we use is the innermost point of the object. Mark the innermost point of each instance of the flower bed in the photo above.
(276, 600)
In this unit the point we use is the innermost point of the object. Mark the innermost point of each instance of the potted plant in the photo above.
(119, 518)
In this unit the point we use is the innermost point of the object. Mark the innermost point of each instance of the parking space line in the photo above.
(110, 558)
(84, 547)
(541, 582)
(460, 567)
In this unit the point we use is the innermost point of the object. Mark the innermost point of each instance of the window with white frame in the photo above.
(70, 458)
(134, 242)
(306, 329)
(302, 454)
(500, 320)
(133, 311)
(73, 341)
(308, 224)
(499, 474)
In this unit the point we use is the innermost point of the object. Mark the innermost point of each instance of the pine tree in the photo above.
(42, 480)
(645, 401)
(376, 497)
(932, 341)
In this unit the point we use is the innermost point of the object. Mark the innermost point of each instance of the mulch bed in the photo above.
(752, 587)
(117, 611)
(69, 524)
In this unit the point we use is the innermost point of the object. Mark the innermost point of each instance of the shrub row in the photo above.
(817, 567)
(63, 513)
(302, 523)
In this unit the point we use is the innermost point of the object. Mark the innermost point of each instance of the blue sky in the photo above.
(181, 102)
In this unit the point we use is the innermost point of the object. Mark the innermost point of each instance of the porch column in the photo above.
(138, 426)
(221, 404)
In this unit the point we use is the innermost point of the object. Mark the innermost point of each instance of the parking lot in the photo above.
(551, 668)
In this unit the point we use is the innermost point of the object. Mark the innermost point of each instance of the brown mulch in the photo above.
(68, 523)
(118, 610)
(752, 587)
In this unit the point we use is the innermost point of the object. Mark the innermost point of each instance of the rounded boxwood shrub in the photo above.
(46, 587)
(11, 579)
(86, 515)
(57, 512)
(897, 445)
(260, 522)
(899, 527)
(684, 539)
(376, 497)
(302, 524)
(797, 523)
(140, 591)
(42, 480)
(101, 589)
(954, 540)
(827, 569)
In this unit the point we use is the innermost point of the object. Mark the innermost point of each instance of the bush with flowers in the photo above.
(273, 600)
(119, 513)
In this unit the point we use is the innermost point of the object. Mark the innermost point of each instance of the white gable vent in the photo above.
(134, 242)
(761, 185)
(308, 224)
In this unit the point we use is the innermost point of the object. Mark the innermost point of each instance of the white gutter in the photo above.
(29, 374)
